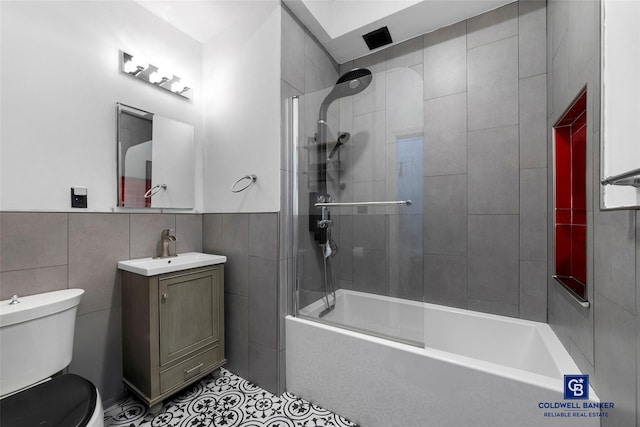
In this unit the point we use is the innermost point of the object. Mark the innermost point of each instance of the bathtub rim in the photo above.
(314, 308)
(561, 357)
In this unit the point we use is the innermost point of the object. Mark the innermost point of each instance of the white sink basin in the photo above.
(154, 266)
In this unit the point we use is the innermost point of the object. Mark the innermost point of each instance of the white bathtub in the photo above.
(475, 369)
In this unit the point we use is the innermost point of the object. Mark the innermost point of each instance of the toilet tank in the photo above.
(36, 337)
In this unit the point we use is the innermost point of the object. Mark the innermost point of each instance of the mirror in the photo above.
(155, 160)
(620, 150)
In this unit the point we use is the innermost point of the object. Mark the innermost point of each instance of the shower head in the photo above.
(353, 82)
(350, 83)
(343, 137)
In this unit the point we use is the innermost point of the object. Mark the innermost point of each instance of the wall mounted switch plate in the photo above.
(78, 197)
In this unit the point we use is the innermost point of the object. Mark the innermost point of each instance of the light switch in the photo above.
(78, 197)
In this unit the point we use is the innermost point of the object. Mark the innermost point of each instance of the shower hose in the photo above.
(328, 287)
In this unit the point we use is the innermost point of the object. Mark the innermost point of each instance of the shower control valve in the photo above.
(325, 223)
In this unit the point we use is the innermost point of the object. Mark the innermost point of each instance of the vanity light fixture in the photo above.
(136, 66)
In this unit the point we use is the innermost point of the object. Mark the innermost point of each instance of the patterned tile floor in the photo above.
(228, 401)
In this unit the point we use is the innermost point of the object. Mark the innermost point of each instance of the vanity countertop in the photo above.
(184, 261)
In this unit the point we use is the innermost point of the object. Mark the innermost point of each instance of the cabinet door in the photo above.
(189, 313)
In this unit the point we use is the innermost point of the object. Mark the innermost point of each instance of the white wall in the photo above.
(60, 81)
(621, 99)
(241, 74)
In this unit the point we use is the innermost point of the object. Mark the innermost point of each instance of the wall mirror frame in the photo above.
(156, 160)
(620, 105)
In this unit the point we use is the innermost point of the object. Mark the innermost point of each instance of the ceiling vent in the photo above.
(378, 38)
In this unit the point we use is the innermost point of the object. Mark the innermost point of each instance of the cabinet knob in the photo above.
(165, 296)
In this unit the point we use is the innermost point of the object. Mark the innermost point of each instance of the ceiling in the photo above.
(203, 20)
(337, 24)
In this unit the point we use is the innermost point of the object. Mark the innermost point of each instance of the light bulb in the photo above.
(155, 77)
(186, 85)
(164, 74)
(129, 67)
(140, 62)
(177, 86)
(135, 65)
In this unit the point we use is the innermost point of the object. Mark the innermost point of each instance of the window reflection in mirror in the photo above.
(155, 161)
(134, 157)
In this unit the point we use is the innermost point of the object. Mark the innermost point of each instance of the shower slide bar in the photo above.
(388, 203)
(631, 178)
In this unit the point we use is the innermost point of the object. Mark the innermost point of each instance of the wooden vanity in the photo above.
(172, 330)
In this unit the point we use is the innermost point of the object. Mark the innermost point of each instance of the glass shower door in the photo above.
(359, 210)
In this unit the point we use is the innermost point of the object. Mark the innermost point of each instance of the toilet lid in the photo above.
(66, 400)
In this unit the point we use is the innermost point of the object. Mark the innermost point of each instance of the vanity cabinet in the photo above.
(172, 330)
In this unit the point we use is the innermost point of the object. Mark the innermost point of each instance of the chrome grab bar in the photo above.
(627, 178)
(388, 203)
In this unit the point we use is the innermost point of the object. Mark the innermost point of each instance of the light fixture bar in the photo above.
(141, 69)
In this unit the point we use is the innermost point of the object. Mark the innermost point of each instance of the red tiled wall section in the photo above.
(570, 134)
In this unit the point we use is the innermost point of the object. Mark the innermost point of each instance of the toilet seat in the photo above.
(66, 400)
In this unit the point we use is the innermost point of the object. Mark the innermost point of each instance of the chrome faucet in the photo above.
(166, 237)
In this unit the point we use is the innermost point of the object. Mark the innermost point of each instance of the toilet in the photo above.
(36, 342)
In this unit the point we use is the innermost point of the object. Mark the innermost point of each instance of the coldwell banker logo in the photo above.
(576, 387)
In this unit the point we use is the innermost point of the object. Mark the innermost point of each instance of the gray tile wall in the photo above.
(573, 324)
(251, 244)
(605, 339)
(50, 251)
(500, 169)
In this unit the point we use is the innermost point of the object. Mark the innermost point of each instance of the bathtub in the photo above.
(475, 369)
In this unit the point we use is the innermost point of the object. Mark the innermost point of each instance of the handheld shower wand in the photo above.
(343, 137)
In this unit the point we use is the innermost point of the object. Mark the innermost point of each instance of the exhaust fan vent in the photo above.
(378, 38)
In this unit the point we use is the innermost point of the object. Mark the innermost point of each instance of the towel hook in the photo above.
(252, 178)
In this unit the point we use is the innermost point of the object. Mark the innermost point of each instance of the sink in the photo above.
(185, 261)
